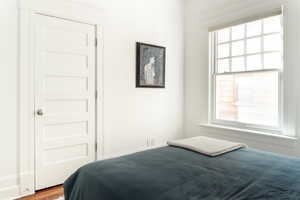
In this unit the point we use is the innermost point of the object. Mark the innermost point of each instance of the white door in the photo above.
(64, 98)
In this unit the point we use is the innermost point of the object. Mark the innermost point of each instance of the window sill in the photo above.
(246, 131)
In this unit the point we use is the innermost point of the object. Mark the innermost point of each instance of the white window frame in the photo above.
(213, 43)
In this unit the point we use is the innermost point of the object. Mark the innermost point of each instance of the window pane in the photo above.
(250, 98)
(225, 98)
(254, 28)
(238, 48)
(223, 66)
(223, 35)
(238, 32)
(254, 45)
(272, 60)
(223, 50)
(272, 24)
(254, 62)
(272, 42)
(238, 64)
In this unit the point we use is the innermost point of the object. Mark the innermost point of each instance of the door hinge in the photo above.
(96, 42)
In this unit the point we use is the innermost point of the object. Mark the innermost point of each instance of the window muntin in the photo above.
(247, 66)
(261, 37)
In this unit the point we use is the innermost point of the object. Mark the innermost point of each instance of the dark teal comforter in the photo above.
(171, 173)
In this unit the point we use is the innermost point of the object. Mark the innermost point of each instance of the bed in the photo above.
(172, 173)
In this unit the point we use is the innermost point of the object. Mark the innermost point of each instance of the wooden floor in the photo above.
(47, 194)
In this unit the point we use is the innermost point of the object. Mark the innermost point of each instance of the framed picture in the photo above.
(150, 66)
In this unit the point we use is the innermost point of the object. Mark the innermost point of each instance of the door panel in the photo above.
(64, 97)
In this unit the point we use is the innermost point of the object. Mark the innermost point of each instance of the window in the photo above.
(246, 86)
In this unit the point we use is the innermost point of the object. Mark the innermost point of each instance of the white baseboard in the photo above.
(27, 184)
(9, 193)
(10, 186)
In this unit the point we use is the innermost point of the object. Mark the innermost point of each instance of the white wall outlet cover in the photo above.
(148, 142)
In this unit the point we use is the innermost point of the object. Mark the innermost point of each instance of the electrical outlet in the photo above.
(148, 142)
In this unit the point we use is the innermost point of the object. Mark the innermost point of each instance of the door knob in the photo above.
(40, 112)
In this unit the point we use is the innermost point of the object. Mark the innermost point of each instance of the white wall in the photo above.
(131, 115)
(8, 88)
(202, 14)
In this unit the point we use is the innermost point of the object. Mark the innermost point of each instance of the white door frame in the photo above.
(27, 11)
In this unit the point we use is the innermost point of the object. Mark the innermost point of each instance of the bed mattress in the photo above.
(171, 173)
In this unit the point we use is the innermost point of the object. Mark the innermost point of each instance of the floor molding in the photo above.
(9, 193)
(53, 193)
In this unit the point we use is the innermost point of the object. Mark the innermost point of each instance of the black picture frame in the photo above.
(152, 58)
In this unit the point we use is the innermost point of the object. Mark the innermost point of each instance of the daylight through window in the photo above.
(247, 65)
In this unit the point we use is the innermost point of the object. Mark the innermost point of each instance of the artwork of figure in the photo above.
(149, 72)
(150, 67)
